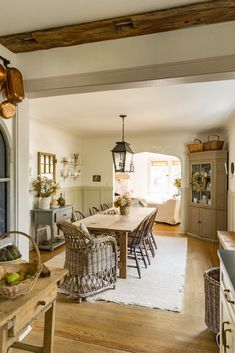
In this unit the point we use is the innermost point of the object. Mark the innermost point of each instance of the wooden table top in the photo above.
(227, 239)
(127, 223)
(9, 307)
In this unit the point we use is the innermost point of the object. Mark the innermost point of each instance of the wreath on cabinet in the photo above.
(198, 182)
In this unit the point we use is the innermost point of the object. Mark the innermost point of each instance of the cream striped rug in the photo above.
(161, 285)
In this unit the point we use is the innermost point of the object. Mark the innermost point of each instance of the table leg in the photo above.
(49, 329)
(3, 339)
(123, 254)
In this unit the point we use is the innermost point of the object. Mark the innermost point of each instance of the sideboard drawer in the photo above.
(63, 215)
(34, 308)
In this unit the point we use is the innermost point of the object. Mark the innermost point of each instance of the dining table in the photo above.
(107, 222)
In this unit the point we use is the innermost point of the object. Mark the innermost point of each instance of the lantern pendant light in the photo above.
(123, 154)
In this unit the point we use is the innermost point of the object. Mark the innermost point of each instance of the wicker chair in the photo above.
(91, 261)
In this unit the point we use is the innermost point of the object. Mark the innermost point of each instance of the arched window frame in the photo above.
(6, 180)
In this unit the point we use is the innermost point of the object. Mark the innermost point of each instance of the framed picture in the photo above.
(96, 178)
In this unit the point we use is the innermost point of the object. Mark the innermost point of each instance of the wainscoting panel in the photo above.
(95, 196)
(73, 196)
(231, 211)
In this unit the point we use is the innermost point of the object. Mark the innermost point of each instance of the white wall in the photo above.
(98, 157)
(48, 138)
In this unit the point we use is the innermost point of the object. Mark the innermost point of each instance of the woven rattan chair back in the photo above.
(91, 261)
(93, 210)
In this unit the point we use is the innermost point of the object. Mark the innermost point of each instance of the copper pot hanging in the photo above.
(7, 110)
(3, 75)
(13, 87)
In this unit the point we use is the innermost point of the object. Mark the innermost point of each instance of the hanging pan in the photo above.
(14, 88)
(3, 75)
(7, 110)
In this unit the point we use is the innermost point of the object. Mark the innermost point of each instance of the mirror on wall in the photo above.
(47, 165)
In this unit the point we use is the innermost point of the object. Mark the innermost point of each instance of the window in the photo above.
(4, 185)
(162, 176)
(47, 165)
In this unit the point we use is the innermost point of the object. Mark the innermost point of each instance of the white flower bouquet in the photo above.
(122, 201)
(44, 187)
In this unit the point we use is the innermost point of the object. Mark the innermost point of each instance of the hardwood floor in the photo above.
(113, 328)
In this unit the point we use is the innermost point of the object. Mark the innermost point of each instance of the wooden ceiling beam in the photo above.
(121, 27)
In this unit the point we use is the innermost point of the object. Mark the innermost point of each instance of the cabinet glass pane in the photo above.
(201, 183)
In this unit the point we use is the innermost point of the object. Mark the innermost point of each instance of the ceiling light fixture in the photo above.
(123, 154)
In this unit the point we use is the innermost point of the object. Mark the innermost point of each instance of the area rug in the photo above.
(161, 285)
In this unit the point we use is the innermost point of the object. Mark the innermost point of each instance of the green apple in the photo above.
(12, 277)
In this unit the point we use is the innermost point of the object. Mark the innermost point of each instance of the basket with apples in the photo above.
(19, 278)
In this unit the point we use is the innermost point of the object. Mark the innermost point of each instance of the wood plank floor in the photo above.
(112, 328)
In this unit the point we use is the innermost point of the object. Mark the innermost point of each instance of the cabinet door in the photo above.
(227, 332)
(194, 217)
(206, 223)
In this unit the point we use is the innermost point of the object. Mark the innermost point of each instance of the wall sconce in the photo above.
(232, 169)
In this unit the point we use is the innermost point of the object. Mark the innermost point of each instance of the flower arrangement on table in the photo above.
(44, 187)
(122, 201)
(198, 181)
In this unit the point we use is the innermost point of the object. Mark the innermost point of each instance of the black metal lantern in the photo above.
(123, 154)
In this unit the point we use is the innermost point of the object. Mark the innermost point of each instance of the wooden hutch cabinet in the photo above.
(207, 194)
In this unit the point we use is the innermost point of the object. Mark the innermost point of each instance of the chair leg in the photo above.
(153, 239)
(151, 246)
(146, 251)
(142, 257)
(137, 263)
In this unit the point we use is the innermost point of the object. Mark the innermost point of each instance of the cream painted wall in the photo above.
(173, 46)
(50, 139)
(98, 157)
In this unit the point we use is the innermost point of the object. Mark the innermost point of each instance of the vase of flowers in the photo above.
(123, 202)
(177, 184)
(43, 187)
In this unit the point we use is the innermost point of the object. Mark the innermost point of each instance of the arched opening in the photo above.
(157, 182)
(4, 183)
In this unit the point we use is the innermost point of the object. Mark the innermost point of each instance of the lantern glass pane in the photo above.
(128, 162)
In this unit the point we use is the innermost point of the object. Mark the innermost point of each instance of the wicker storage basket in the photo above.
(197, 146)
(212, 145)
(25, 286)
(212, 298)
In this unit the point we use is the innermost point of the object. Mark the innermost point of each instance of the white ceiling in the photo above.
(186, 107)
(27, 15)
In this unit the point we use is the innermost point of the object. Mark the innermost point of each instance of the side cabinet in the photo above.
(227, 316)
(207, 207)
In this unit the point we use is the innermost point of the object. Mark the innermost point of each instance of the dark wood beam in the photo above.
(121, 27)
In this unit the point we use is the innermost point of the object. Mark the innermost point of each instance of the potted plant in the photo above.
(123, 202)
(43, 187)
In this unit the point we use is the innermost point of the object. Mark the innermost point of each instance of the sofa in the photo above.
(168, 211)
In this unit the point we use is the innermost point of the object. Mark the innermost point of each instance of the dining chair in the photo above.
(77, 215)
(147, 237)
(91, 261)
(135, 241)
(104, 206)
(151, 230)
(93, 210)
